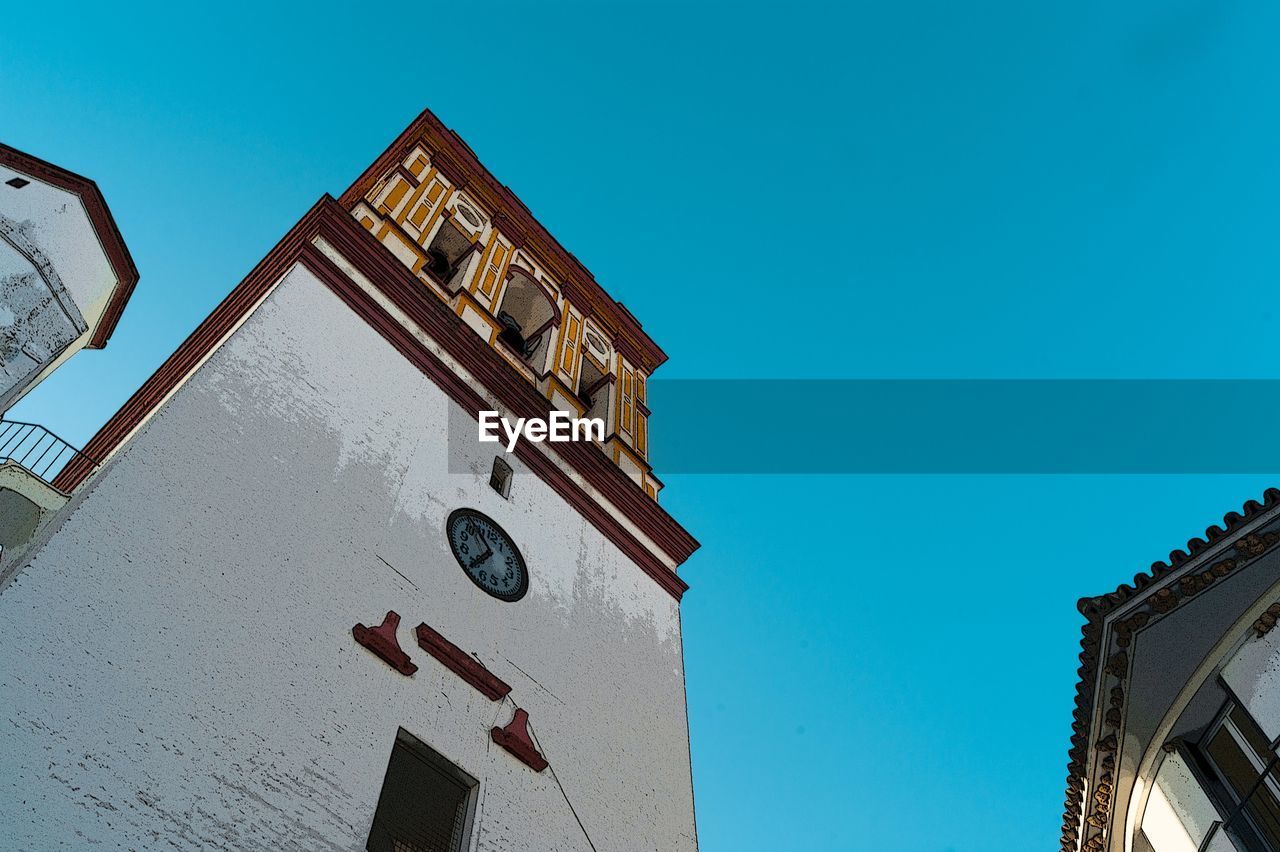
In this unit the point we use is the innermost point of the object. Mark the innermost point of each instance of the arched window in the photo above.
(448, 254)
(528, 313)
(594, 389)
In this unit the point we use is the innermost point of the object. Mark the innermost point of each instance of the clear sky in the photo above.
(907, 189)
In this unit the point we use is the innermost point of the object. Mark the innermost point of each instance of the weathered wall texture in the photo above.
(56, 222)
(179, 670)
(1254, 676)
(38, 318)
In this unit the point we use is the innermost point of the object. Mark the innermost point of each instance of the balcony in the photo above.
(30, 458)
(36, 449)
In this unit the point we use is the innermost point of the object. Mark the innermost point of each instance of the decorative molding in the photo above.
(458, 662)
(104, 225)
(382, 641)
(515, 739)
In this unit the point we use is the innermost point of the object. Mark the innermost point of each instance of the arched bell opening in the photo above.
(448, 254)
(594, 389)
(527, 314)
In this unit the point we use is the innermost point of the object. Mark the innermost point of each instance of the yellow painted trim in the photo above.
(623, 447)
(568, 363)
(474, 286)
(500, 285)
(435, 216)
(399, 186)
(417, 195)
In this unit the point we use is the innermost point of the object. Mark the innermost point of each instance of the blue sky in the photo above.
(911, 189)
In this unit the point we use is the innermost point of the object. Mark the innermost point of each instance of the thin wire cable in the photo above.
(556, 778)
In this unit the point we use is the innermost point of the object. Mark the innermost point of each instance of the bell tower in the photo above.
(472, 243)
(322, 614)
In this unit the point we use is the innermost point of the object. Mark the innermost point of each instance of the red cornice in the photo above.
(396, 283)
(458, 162)
(104, 225)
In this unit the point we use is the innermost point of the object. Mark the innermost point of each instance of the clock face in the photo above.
(487, 554)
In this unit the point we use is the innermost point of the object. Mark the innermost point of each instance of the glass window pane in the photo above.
(1263, 810)
(1237, 771)
(1252, 734)
(423, 803)
(1222, 843)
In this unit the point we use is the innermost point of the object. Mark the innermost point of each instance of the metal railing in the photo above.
(36, 448)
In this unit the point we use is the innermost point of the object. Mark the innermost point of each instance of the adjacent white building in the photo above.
(291, 601)
(1177, 719)
(65, 272)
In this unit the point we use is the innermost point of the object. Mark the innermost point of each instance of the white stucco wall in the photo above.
(55, 220)
(179, 671)
(39, 320)
(1254, 676)
(1178, 813)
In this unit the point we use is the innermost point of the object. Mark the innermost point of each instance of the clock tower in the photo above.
(293, 602)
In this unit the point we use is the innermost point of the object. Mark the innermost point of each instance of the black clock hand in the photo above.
(488, 551)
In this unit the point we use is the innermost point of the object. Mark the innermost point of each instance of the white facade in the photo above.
(179, 669)
(1177, 745)
(1180, 814)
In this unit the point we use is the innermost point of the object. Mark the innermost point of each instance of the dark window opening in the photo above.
(527, 314)
(448, 252)
(425, 802)
(500, 478)
(1246, 773)
(17, 182)
(593, 390)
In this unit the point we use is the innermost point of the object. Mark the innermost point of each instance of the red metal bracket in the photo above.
(458, 661)
(382, 641)
(515, 739)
